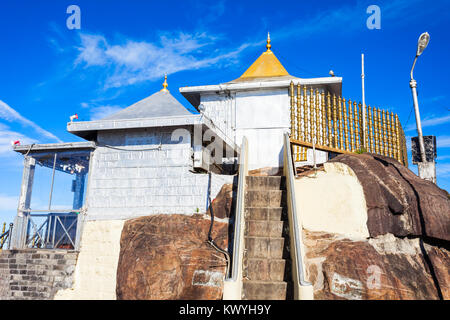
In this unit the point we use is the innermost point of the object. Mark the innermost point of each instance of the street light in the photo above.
(426, 170)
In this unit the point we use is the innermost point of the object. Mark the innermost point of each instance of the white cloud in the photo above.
(8, 203)
(443, 170)
(431, 121)
(443, 142)
(98, 113)
(136, 61)
(7, 135)
(9, 114)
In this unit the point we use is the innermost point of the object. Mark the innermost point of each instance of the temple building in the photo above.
(255, 145)
(257, 105)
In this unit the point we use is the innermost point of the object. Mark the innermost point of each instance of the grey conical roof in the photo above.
(159, 104)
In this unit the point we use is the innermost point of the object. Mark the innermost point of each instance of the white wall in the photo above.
(332, 201)
(263, 116)
(96, 270)
(124, 183)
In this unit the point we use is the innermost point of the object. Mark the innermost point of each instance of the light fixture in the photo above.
(422, 43)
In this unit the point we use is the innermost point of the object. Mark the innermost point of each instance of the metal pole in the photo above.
(413, 85)
(9, 235)
(53, 180)
(427, 170)
(363, 101)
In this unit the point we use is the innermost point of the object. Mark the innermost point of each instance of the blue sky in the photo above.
(123, 49)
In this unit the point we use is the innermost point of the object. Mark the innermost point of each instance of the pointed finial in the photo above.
(268, 45)
(165, 85)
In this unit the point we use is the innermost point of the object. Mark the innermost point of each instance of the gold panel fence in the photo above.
(335, 124)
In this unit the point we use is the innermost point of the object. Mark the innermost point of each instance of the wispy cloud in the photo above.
(9, 114)
(431, 121)
(351, 18)
(101, 112)
(137, 61)
(8, 203)
(443, 142)
(443, 170)
(7, 135)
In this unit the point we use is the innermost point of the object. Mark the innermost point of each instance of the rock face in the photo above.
(398, 201)
(167, 257)
(407, 253)
(223, 204)
(385, 267)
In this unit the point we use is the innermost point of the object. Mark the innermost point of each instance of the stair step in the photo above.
(265, 183)
(264, 213)
(265, 198)
(264, 228)
(264, 247)
(265, 269)
(264, 290)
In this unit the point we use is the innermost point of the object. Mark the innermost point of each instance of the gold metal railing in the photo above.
(336, 124)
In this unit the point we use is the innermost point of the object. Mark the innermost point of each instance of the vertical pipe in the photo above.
(397, 140)
(329, 144)
(292, 110)
(324, 119)
(317, 118)
(346, 138)
(385, 148)
(341, 136)
(350, 114)
(363, 103)
(335, 137)
(357, 131)
(380, 136)
(370, 130)
(305, 112)
(299, 116)
(53, 180)
(311, 114)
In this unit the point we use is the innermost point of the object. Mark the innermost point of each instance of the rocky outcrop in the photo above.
(398, 201)
(167, 257)
(406, 254)
(385, 267)
(222, 205)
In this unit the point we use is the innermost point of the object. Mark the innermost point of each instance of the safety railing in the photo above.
(51, 231)
(303, 289)
(335, 124)
(233, 283)
(6, 236)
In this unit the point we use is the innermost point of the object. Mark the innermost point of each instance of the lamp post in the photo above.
(426, 169)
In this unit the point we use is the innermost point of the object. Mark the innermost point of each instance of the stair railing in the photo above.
(303, 289)
(232, 289)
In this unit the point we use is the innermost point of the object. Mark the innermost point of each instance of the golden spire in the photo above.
(165, 85)
(268, 45)
(267, 65)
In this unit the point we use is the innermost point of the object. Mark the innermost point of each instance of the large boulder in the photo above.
(167, 257)
(385, 267)
(406, 252)
(398, 201)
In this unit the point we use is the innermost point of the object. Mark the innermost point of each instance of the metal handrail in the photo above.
(290, 172)
(45, 237)
(239, 210)
(6, 236)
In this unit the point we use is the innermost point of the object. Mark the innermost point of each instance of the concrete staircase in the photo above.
(266, 259)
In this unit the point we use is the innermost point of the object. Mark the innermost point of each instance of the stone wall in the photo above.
(133, 182)
(35, 274)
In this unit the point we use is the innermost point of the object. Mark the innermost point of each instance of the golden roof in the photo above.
(267, 65)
